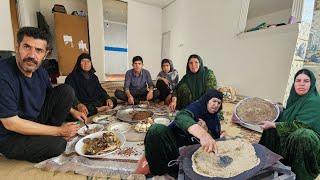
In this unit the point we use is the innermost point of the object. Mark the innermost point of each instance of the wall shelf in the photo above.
(115, 22)
(270, 31)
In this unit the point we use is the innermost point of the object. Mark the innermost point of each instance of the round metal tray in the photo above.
(254, 127)
(126, 114)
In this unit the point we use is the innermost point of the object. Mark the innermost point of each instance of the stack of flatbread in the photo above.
(254, 110)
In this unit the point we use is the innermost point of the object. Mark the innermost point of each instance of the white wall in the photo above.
(7, 40)
(144, 35)
(255, 64)
(273, 18)
(27, 12)
(96, 34)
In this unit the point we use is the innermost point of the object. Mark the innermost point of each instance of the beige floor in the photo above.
(16, 170)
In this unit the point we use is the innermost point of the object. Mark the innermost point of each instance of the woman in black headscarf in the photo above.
(93, 98)
(198, 120)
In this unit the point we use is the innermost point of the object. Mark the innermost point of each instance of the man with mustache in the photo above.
(31, 111)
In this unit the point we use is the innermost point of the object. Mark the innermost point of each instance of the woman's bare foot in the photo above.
(142, 167)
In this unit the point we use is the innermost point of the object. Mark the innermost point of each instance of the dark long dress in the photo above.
(87, 87)
(162, 143)
(296, 136)
(193, 85)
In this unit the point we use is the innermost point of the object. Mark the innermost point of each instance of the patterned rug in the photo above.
(111, 86)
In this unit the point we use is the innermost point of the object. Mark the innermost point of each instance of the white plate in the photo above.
(79, 145)
(162, 120)
(120, 127)
(101, 118)
(82, 131)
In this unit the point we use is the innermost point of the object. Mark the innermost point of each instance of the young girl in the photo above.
(167, 80)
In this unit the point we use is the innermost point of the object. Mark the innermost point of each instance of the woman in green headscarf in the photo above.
(296, 135)
(194, 84)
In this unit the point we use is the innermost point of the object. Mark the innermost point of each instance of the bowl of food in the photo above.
(142, 127)
(162, 120)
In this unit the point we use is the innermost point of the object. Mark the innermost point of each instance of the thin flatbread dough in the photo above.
(242, 152)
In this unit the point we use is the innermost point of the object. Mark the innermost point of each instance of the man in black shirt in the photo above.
(31, 111)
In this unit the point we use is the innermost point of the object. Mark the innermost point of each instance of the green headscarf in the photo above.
(195, 81)
(305, 108)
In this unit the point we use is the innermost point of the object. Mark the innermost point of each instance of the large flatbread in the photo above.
(254, 110)
(243, 155)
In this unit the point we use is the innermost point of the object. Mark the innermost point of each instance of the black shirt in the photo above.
(21, 95)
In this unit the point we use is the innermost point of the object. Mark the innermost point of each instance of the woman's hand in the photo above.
(173, 104)
(206, 141)
(203, 124)
(109, 103)
(267, 125)
(82, 108)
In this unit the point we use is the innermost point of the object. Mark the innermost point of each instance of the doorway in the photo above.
(115, 37)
